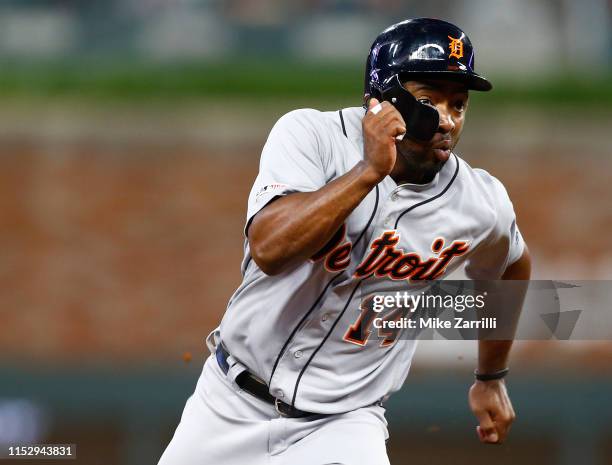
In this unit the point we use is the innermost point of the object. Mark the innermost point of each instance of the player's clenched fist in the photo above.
(381, 125)
(490, 403)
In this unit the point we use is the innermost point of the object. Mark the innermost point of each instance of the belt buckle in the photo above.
(277, 403)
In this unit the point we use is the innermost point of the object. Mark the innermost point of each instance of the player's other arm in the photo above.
(493, 355)
(294, 227)
(489, 400)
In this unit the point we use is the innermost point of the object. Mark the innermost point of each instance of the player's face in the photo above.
(451, 100)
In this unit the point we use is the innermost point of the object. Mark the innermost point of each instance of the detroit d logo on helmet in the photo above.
(456, 48)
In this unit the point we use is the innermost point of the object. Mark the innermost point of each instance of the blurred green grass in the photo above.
(262, 81)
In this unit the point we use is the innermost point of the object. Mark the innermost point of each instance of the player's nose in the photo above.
(446, 124)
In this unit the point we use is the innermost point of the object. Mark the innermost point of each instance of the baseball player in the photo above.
(344, 202)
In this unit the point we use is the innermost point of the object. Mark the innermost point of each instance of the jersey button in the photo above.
(394, 197)
(325, 317)
(280, 394)
(297, 354)
(388, 222)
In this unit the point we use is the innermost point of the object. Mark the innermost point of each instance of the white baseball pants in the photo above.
(223, 425)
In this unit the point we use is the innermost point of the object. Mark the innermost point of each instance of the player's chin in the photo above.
(440, 155)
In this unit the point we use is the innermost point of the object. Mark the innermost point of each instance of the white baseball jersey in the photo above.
(300, 331)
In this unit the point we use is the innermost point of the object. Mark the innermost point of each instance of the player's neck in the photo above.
(403, 173)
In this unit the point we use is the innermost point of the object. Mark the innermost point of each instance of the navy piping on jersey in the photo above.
(324, 291)
(248, 262)
(431, 199)
(342, 122)
(299, 325)
(297, 383)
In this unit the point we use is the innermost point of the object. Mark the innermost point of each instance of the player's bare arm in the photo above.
(489, 400)
(295, 227)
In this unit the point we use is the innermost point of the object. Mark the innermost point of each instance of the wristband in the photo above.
(491, 376)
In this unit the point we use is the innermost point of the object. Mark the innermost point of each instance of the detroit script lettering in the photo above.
(385, 259)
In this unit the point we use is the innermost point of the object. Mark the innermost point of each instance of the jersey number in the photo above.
(360, 331)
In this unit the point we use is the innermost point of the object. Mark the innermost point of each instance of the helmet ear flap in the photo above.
(421, 120)
(374, 92)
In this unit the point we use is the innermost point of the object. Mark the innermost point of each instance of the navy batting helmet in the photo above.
(421, 47)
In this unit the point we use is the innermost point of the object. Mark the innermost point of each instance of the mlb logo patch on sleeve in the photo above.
(270, 188)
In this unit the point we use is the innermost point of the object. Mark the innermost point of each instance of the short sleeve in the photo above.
(503, 246)
(293, 159)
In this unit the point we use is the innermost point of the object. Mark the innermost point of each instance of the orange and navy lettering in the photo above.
(385, 259)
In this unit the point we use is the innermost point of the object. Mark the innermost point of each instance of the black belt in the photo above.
(257, 388)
